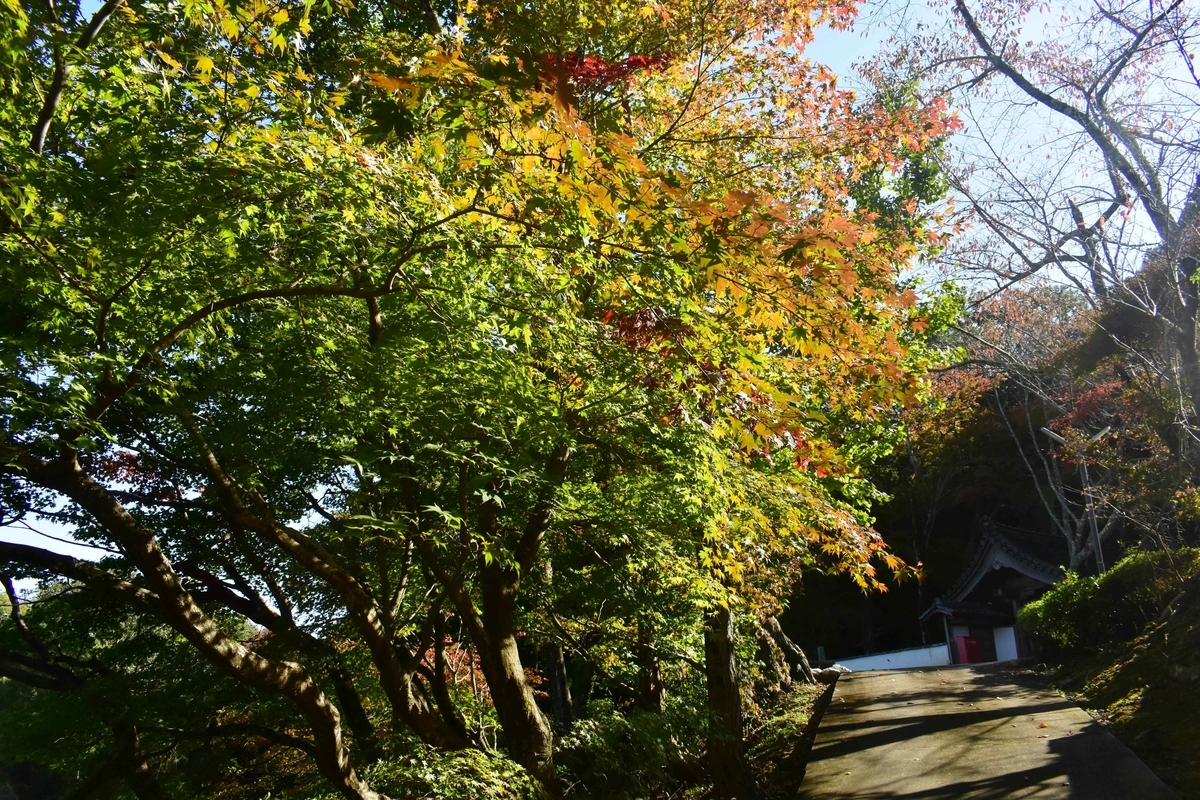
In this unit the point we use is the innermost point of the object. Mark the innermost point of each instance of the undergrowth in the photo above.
(1131, 660)
(773, 743)
(638, 755)
(612, 755)
(432, 774)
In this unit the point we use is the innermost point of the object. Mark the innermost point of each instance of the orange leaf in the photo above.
(388, 83)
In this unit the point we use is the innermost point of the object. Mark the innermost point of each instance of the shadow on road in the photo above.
(1028, 783)
(901, 729)
(983, 732)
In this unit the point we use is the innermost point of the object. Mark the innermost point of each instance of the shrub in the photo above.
(1057, 614)
(1090, 613)
(432, 774)
(618, 756)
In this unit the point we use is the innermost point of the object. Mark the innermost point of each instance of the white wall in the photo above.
(935, 656)
(1006, 643)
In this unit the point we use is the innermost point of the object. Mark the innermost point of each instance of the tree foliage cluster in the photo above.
(1090, 614)
(430, 377)
(1075, 181)
(1069, 295)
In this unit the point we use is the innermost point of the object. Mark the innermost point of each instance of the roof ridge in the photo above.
(981, 547)
(991, 539)
(1021, 554)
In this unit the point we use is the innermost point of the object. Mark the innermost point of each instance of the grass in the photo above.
(777, 747)
(1130, 641)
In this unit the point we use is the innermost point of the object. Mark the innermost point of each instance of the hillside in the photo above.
(1146, 687)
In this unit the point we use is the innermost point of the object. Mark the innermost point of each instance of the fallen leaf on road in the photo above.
(1043, 725)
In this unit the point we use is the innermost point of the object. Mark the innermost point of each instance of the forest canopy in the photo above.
(442, 386)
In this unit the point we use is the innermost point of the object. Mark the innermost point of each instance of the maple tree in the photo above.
(353, 328)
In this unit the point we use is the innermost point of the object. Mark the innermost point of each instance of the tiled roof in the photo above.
(1024, 551)
(964, 610)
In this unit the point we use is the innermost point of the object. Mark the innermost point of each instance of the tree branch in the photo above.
(368, 617)
(109, 394)
(171, 601)
(539, 517)
(85, 572)
(1151, 201)
(37, 141)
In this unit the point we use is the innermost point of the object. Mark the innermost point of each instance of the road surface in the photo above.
(981, 731)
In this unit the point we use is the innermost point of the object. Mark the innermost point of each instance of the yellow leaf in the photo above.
(279, 17)
(169, 61)
(204, 64)
(585, 211)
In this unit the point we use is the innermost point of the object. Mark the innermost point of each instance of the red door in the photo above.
(970, 651)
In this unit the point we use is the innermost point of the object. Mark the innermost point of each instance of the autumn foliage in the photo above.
(413, 372)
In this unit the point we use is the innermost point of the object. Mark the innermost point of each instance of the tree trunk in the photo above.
(776, 675)
(352, 708)
(441, 668)
(582, 691)
(177, 608)
(726, 758)
(136, 772)
(651, 692)
(555, 671)
(530, 739)
(493, 632)
(796, 659)
(560, 690)
(493, 628)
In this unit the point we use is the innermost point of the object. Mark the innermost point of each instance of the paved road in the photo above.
(984, 731)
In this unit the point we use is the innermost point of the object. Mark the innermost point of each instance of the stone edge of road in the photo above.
(808, 737)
